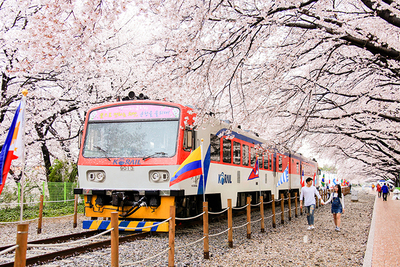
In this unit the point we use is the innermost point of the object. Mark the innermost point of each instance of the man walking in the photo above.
(307, 193)
(385, 191)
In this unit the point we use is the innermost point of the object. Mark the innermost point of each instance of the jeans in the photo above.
(310, 214)
(385, 196)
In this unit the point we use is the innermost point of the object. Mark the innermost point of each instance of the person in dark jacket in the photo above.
(385, 191)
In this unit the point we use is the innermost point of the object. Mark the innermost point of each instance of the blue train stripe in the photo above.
(123, 224)
(140, 224)
(104, 225)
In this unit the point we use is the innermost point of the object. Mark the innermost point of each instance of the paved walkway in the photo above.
(384, 237)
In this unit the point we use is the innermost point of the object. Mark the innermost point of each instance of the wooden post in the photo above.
(39, 228)
(22, 242)
(114, 240)
(248, 217)
(171, 252)
(273, 212)
(205, 230)
(230, 224)
(290, 205)
(282, 209)
(76, 211)
(295, 204)
(262, 214)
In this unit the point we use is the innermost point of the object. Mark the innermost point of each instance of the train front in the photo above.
(128, 154)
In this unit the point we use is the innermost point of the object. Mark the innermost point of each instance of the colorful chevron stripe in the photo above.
(131, 225)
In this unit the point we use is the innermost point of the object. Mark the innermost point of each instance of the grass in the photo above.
(32, 212)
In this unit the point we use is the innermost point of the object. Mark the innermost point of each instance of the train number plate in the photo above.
(127, 168)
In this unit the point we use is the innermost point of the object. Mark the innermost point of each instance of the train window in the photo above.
(260, 161)
(227, 150)
(253, 157)
(266, 157)
(188, 139)
(245, 156)
(297, 167)
(280, 163)
(215, 148)
(236, 153)
(270, 162)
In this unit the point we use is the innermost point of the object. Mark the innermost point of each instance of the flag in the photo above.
(284, 177)
(314, 178)
(189, 168)
(334, 181)
(323, 180)
(206, 166)
(302, 181)
(255, 172)
(13, 147)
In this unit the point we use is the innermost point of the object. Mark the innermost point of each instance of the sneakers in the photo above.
(337, 229)
(311, 227)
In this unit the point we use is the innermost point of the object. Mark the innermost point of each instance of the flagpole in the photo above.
(202, 168)
(24, 93)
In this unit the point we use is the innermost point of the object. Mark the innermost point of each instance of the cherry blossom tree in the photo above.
(325, 70)
(321, 72)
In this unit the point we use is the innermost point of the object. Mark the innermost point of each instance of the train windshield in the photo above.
(132, 131)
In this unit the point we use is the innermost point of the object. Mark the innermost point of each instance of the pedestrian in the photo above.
(385, 192)
(308, 193)
(379, 189)
(337, 208)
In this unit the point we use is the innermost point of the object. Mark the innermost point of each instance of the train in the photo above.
(130, 149)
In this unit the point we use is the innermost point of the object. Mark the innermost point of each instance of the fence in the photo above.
(58, 199)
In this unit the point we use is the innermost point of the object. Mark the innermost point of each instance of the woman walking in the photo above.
(337, 209)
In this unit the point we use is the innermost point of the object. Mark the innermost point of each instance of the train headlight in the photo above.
(159, 176)
(155, 177)
(96, 176)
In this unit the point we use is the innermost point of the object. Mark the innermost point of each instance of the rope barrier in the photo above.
(239, 208)
(183, 219)
(256, 221)
(285, 199)
(278, 200)
(217, 234)
(268, 202)
(8, 250)
(255, 205)
(152, 257)
(269, 217)
(236, 227)
(194, 242)
(68, 243)
(144, 227)
(218, 212)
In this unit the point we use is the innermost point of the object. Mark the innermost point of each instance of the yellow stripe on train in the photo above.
(127, 225)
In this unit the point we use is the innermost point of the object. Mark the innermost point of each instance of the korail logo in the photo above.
(224, 178)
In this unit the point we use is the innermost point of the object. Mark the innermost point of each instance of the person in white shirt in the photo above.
(337, 209)
(308, 193)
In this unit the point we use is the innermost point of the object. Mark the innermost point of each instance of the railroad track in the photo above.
(41, 255)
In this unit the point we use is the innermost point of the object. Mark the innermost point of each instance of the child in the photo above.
(337, 209)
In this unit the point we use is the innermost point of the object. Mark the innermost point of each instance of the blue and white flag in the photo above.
(284, 177)
(334, 181)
